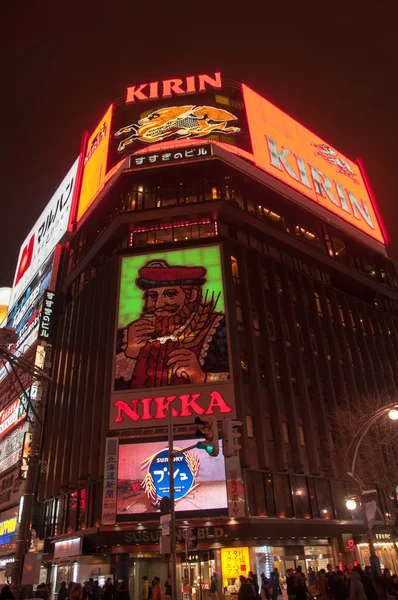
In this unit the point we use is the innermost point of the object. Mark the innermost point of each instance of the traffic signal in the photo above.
(209, 430)
(230, 437)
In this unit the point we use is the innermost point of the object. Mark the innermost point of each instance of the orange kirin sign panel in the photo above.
(297, 157)
(95, 163)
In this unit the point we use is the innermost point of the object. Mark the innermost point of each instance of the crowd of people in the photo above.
(329, 584)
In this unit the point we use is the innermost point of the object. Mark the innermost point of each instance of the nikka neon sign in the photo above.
(140, 410)
(167, 88)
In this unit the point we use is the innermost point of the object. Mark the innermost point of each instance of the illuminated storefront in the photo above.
(8, 532)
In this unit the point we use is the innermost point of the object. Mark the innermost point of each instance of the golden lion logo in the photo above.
(179, 122)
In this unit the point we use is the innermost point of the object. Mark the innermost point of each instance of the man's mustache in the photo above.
(170, 309)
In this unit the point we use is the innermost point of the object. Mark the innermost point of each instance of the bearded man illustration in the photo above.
(179, 337)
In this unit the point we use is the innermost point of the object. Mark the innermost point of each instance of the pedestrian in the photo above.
(122, 593)
(246, 590)
(63, 591)
(145, 588)
(254, 581)
(274, 581)
(340, 586)
(6, 593)
(108, 591)
(265, 588)
(321, 584)
(356, 588)
(167, 589)
(76, 592)
(213, 587)
(386, 582)
(157, 592)
(299, 589)
(311, 576)
(96, 591)
(289, 583)
(368, 584)
(393, 591)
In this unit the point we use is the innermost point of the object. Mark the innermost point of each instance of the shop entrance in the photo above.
(197, 571)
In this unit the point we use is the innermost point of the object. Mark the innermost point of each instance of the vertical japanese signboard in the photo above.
(109, 498)
(234, 563)
(47, 316)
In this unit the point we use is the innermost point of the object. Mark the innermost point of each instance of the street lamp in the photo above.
(351, 504)
(393, 414)
(368, 497)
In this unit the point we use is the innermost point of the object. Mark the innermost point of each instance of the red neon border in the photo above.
(372, 196)
(79, 179)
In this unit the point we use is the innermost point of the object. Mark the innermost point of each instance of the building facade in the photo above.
(193, 267)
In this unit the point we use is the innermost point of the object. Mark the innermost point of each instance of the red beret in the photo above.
(158, 273)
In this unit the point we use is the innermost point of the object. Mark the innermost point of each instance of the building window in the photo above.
(294, 382)
(350, 354)
(264, 280)
(283, 498)
(239, 315)
(305, 234)
(285, 432)
(235, 269)
(362, 323)
(285, 329)
(256, 321)
(301, 435)
(330, 309)
(278, 376)
(300, 335)
(351, 316)
(271, 216)
(341, 313)
(271, 326)
(318, 304)
(249, 426)
(244, 365)
(313, 341)
(326, 344)
(262, 371)
(278, 284)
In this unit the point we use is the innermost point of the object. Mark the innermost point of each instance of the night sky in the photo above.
(331, 65)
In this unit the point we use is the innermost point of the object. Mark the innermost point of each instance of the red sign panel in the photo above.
(11, 416)
(305, 162)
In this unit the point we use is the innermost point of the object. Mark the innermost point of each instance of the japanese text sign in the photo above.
(109, 499)
(47, 316)
(170, 156)
(235, 562)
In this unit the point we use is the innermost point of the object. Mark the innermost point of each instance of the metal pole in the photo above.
(30, 490)
(172, 507)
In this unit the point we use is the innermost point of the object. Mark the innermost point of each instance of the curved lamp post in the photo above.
(368, 497)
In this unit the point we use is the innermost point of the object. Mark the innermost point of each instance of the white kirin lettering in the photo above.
(295, 167)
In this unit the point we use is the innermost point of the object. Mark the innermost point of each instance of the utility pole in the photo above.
(7, 335)
(173, 557)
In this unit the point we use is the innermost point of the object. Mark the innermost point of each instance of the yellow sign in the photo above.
(8, 526)
(95, 163)
(235, 562)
